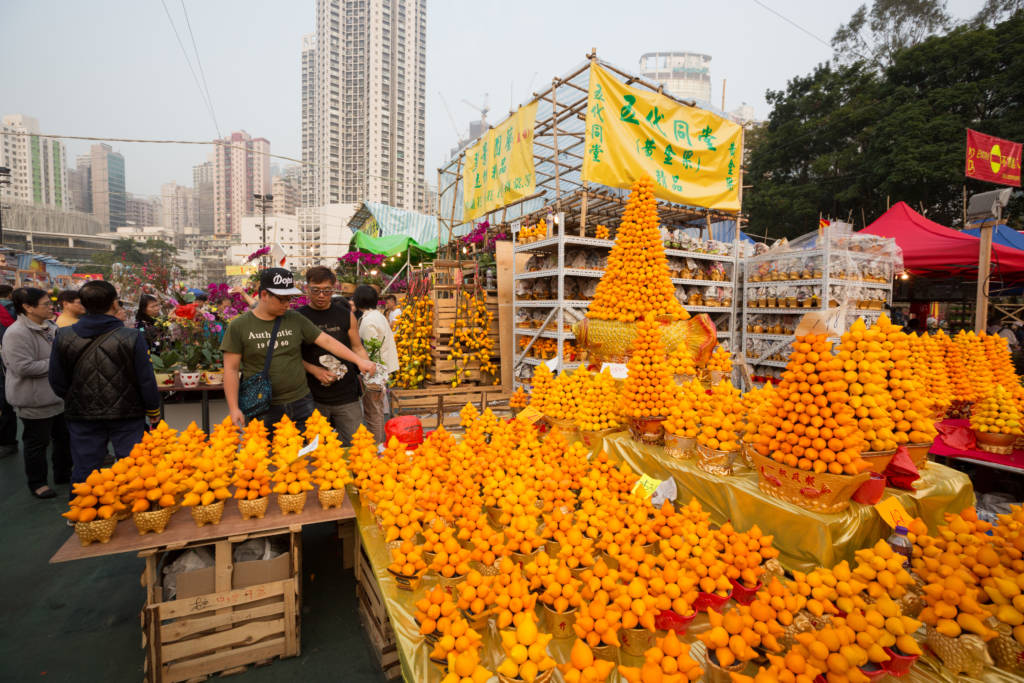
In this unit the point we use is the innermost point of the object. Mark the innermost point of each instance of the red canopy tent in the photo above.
(930, 248)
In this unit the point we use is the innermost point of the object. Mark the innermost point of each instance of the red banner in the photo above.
(992, 159)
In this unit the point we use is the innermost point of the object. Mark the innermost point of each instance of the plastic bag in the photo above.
(188, 561)
(407, 428)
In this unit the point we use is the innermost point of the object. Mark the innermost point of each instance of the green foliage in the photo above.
(876, 35)
(845, 141)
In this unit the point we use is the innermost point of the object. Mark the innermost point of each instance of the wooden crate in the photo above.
(440, 402)
(223, 631)
(374, 616)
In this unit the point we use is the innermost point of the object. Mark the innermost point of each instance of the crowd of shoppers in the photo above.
(80, 382)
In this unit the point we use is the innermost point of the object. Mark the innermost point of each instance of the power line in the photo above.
(202, 73)
(188, 61)
(793, 23)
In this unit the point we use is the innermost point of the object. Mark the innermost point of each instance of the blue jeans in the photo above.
(297, 411)
(89, 439)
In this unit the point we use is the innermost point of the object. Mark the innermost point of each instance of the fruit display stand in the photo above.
(804, 539)
(1008, 462)
(566, 260)
(242, 618)
(453, 283)
(815, 272)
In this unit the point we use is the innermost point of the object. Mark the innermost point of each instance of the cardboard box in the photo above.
(203, 581)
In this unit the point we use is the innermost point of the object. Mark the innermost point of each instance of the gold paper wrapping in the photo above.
(805, 539)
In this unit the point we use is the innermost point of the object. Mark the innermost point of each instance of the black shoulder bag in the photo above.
(254, 393)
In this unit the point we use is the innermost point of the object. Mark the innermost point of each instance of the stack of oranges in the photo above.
(867, 356)
(599, 408)
(649, 390)
(636, 281)
(810, 423)
(518, 400)
(720, 361)
(602, 232)
(928, 361)
(541, 387)
(683, 418)
(567, 394)
(413, 339)
(682, 363)
(721, 418)
(956, 366)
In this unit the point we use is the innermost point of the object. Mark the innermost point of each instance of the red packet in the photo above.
(901, 472)
(870, 492)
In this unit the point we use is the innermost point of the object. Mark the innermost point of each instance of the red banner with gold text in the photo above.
(992, 159)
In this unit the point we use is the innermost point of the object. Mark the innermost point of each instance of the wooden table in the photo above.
(182, 531)
(234, 624)
(204, 389)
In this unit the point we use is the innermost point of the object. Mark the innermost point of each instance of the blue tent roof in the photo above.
(1002, 234)
(380, 220)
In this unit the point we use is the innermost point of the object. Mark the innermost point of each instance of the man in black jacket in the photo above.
(102, 371)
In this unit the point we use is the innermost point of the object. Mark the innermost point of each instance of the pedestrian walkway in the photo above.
(79, 621)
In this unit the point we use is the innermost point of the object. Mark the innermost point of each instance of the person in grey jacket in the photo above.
(26, 354)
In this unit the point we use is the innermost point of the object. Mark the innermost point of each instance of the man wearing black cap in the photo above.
(245, 349)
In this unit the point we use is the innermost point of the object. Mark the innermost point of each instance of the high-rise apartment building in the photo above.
(142, 211)
(108, 194)
(202, 198)
(241, 168)
(80, 185)
(176, 207)
(308, 186)
(37, 164)
(686, 75)
(286, 196)
(366, 107)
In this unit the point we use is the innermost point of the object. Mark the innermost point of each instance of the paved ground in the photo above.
(79, 621)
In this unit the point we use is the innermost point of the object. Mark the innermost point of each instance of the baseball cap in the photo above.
(279, 281)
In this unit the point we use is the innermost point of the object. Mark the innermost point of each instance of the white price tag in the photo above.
(617, 370)
(666, 491)
(308, 448)
(552, 364)
(828, 322)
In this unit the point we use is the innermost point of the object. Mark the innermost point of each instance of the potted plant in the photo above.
(213, 361)
(192, 360)
(165, 365)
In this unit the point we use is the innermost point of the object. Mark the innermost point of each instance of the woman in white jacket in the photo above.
(26, 353)
(373, 325)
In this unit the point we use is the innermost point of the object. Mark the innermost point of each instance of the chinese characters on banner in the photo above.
(499, 169)
(692, 155)
(992, 159)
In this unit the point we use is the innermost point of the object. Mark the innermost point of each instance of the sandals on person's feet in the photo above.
(44, 491)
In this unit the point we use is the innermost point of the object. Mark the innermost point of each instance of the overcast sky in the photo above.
(113, 68)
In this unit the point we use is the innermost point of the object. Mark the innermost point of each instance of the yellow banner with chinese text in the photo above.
(247, 269)
(692, 155)
(498, 169)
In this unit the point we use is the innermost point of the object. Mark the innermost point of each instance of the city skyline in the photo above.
(255, 76)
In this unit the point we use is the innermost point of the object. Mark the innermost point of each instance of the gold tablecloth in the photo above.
(805, 539)
(801, 535)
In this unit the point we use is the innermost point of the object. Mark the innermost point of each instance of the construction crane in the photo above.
(482, 109)
(458, 136)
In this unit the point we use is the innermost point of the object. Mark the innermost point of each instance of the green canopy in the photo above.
(389, 245)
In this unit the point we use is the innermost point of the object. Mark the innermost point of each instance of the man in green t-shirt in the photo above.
(245, 349)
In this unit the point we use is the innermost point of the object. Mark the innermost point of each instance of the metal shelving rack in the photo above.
(564, 313)
(827, 256)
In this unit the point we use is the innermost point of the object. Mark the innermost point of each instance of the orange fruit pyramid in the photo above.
(636, 280)
(649, 390)
(929, 365)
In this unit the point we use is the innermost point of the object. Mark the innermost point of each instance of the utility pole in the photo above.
(5, 179)
(263, 199)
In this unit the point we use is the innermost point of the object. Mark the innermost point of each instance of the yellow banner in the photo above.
(499, 169)
(246, 269)
(692, 155)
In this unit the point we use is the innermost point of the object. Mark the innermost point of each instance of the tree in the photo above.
(996, 11)
(891, 26)
(846, 141)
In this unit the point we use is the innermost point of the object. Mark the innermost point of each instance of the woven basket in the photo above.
(680, 447)
(715, 673)
(878, 460)
(542, 677)
(715, 462)
(153, 520)
(123, 514)
(477, 622)
(485, 569)
(1006, 652)
(253, 509)
(827, 493)
(648, 430)
(97, 530)
(964, 654)
(918, 453)
(331, 498)
(636, 641)
(593, 438)
(1000, 444)
(207, 514)
(564, 426)
(559, 624)
(523, 558)
(291, 502)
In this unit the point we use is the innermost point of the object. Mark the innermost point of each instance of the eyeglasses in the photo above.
(320, 291)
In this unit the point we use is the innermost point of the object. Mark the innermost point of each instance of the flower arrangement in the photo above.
(363, 258)
(262, 251)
